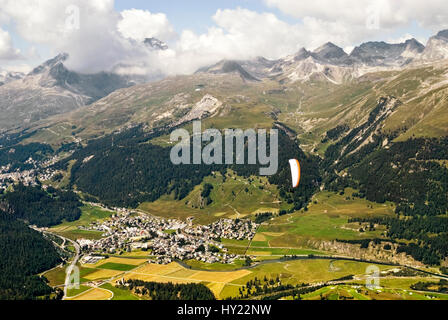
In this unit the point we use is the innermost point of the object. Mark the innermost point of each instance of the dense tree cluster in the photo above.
(42, 208)
(262, 217)
(16, 156)
(441, 286)
(335, 133)
(265, 286)
(205, 194)
(169, 291)
(23, 254)
(427, 236)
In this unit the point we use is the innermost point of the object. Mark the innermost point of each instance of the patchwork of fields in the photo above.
(326, 219)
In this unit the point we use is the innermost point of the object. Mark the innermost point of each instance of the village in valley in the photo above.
(166, 240)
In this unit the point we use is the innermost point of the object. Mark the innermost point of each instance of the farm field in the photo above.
(119, 294)
(56, 276)
(225, 283)
(95, 294)
(75, 292)
(118, 260)
(214, 266)
(175, 273)
(104, 269)
(302, 271)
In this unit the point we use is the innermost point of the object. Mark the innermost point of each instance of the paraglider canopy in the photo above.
(295, 172)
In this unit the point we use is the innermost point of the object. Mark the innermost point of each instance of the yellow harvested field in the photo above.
(157, 278)
(216, 288)
(259, 237)
(264, 210)
(94, 294)
(175, 273)
(102, 274)
(219, 277)
(158, 269)
(259, 253)
(238, 216)
(132, 262)
(274, 234)
(220, 214)
(183, 273)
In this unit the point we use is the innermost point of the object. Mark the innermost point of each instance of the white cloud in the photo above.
(23, 68)
(404, 38)
(7, 50)
(431, 14)
(106, 38)
(92, 41)
(139, 25)
(242, 33)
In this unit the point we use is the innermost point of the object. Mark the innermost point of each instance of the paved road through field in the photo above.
(71, 267)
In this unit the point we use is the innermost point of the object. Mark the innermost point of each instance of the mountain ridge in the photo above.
(51, 89)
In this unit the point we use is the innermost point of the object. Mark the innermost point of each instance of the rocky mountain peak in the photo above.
(302, 54)
(414, 45)
(155, 44)
(228, 66)
(443, 34)
(380, 53)
(330, 53)
(437, 47)
(51, 63)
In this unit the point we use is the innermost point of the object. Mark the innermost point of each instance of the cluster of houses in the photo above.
(7, 178)
(167, 239)
(36, 169)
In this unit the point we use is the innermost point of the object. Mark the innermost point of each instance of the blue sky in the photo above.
(197, 14)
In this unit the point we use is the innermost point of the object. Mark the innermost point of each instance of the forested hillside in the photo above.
(23, 254)
(170, 291)
(39, 207)
(131, 171)
(412, 174)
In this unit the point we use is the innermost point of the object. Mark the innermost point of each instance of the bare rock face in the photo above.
(330, 53)
(155, 44)
(230, 66)
(373, 252)
(382, 54)
(437, 47)
(208, 106)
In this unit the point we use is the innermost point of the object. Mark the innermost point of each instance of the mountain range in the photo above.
(51, 89)
(332, 63)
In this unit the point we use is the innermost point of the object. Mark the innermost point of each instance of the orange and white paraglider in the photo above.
(295, 172)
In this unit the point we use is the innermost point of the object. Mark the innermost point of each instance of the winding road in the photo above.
(72, 265)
